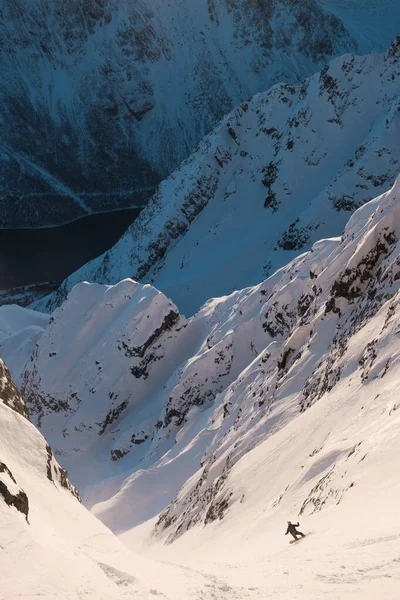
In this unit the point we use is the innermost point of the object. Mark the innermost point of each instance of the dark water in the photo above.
(36, 255)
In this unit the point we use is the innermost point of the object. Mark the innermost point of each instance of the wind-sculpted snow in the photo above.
(109, 349)
(117, 373)
(279, 173)
(100, 100)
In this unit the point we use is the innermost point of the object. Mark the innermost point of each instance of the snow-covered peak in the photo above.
(104, 352)
(278, 173)
(278, 401)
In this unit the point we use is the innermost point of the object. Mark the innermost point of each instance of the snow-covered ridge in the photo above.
(135, 398)
(280, 172)
(99, 101)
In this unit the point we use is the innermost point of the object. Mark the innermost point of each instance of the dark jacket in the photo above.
(291, 528)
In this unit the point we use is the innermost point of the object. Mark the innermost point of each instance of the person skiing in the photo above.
(292, 529)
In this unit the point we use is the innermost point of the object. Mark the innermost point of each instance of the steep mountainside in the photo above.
(100, 100)
(335, 343)
(51, 546)
(280, 172)
(138, 401)
(35, 497)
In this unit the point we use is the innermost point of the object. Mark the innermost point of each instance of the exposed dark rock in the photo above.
(352, 281)
(345, 203)
(112, 416)
(328, 84)
(117, 454)
(170, 320)
(20, 500)
(216, 511)
(56, 473)
(9, 393)
(282, 362)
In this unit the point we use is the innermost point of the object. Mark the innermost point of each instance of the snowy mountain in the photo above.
(332, 330)
(279, 172)
(139, 402)
(100, 100)
(278, 401)
(195, 439)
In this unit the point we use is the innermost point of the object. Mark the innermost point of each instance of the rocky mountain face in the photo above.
(279, 172)
(99, 376)
(140, 403)
(100, 100)
(10, 395)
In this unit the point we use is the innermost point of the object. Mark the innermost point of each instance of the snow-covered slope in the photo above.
(280, 172)
(44, 529)
(309, 430)
(51, 546)
(99, 100)
(321, 412)
(105, 353)
(138, 401)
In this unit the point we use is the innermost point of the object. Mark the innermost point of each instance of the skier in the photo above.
(291, 528)
(226, 409)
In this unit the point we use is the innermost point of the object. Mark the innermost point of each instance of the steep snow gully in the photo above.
(146, 453)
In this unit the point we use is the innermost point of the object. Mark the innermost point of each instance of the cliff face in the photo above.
(11, 397)
(100, 100)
